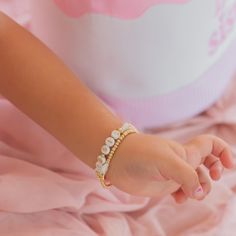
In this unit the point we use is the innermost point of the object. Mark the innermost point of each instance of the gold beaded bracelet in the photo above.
(103, 161)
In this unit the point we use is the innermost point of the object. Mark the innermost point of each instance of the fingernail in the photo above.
(198, 192)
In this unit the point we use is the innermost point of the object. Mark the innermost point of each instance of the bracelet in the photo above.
(109, 148)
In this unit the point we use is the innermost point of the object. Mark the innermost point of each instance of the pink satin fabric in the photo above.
(46, 190)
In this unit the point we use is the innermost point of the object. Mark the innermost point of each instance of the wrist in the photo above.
(109, 148)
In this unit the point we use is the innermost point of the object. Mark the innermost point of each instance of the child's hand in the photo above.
(147, 165)
(211, 162)
(205, 181)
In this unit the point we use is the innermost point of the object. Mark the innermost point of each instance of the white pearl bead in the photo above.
(104, 168)
(101, 158)
(124, 127)
(110, 141)
(105, 149)
(98, 169)
(115, 134)
(98, 164)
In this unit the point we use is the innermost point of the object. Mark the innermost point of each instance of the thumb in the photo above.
(185, 175)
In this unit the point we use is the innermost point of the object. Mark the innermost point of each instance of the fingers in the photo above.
(209, 150)
(181, 197)
(215, 167)
(181, 172)
(204, 180)
(203, 146)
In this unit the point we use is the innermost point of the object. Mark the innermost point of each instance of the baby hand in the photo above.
(212, 162)
(147, 165)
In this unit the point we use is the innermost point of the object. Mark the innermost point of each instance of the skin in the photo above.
(157, 174)
(37, 82)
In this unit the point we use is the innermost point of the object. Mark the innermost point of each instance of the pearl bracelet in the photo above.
(109, 148)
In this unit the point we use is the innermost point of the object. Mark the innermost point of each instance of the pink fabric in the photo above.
(116, 8)
(45, 190)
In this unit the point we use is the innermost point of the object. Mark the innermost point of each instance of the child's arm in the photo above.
(40, 85)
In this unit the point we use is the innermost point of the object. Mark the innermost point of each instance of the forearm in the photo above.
(42, 87)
